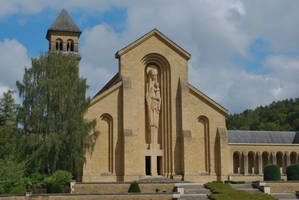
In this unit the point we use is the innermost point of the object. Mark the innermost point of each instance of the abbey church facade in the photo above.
(154, 123)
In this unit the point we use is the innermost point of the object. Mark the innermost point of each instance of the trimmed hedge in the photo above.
(293, 172)
(134, 187)
(272, 173)
(226, 192)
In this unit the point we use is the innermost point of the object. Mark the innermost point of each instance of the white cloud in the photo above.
(13, 59)
(98, 48)
(214, 32)
(3, 89)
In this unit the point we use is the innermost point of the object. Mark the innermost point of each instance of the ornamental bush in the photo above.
(293, 172)
(134, 187)
(272, 173)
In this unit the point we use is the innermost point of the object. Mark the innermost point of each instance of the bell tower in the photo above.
(64, 35)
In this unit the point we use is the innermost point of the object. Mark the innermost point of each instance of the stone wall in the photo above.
(96, 188)
(283, 187)
(155, 196)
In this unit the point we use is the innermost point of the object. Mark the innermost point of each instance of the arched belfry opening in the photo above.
(157, 94)
(70, 45)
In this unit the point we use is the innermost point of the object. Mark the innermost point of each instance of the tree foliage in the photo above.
(11, 176)
(278, 116)
(8, 125)
(52, 114)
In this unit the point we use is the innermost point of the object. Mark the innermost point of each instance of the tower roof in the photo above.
(64, 23)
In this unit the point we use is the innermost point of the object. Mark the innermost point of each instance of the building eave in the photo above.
(213, 103)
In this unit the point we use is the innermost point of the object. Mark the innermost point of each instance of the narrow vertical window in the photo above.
(70, 45)
(59, 45)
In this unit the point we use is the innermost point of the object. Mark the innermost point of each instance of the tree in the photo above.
(8, 124)
(280, 115)
(52, 114)
(11, 176)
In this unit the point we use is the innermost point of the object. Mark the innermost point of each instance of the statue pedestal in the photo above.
(154, 135)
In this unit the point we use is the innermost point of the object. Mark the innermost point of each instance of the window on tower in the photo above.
(70, 45)
(59, 45)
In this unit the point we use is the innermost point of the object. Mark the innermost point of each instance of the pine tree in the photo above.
(8, 124)
(52, 114)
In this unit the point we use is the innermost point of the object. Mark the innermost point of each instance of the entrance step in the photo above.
(246, 187)
(192, 191)
(284, 196)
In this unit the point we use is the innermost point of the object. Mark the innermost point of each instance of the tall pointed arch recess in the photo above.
(205, 122)
(166, 132)
(109, 120)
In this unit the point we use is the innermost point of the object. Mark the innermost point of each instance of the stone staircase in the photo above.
(190, 191)
(284, 196)
(246, 187)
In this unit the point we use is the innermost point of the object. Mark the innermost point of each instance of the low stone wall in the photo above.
(250, 178)
(283, 187)
(141, 196)
(99, 188)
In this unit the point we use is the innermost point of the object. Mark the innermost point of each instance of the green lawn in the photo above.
(223, 191)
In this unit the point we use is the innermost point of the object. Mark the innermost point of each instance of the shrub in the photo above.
(54, 188)
(20, 189)
(134, 187)
(272, 173)
(58, 181)
(34, 181)
(11, 176)
(235, 182)
(293, 172)
(62, 178)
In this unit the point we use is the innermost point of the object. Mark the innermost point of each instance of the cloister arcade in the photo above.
(253, 162)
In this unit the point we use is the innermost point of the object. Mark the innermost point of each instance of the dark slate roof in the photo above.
(263, 137)
(115, 79)
(64, 23)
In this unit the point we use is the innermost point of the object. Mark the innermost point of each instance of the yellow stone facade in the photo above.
(188, 119)
(154, 123)
(193, 142)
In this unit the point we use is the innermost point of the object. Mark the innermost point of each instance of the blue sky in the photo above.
(244, 53)
(31, 30)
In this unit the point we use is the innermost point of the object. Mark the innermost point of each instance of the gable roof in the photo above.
(64, 23)
(208, 100)
(162, 37)
(263, 137)
(114, 80)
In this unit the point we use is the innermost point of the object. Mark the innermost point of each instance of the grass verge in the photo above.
(223, 191)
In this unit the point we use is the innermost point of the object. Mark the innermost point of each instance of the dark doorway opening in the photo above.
(159, 164)
(148, 165)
